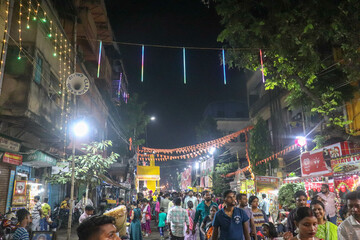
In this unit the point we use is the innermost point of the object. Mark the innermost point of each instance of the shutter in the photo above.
(4, 185)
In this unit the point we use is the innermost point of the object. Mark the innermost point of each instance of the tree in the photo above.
(134, 120)
(207, 130)
(259, 147)
(286, 194)
(89, 167)
(310, 49)
(220, 184)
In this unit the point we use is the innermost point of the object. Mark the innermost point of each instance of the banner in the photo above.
(346, 165)
(12, 158)
(318, 162)
(316, 186)
(266, 184)
(186, 178)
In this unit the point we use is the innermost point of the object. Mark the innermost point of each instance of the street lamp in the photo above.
(80, 128)
(212, 150)
(152, 119)
(300, 141)
(197, 165)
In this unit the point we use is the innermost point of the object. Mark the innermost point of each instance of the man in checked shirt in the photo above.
(176, 218)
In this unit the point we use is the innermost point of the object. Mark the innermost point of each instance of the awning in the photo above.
(39, 159)
(114, 183)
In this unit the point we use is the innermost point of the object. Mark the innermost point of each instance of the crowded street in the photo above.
(179, 120)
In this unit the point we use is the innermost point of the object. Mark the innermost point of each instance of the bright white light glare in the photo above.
(153, 118)
(80, 129)
(212, 150)
(197, 165)
(189, 166)
(300, 141)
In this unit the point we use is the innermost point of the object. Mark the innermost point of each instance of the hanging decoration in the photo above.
(278, 154)
(142, 62)
(262, 66)
(6, 26)
(19, 22)
(184, 65)
(28, 16)
(99, 59)
(224, 65)
(192, 151)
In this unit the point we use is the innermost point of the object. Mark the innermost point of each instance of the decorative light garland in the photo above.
(262, 66)
(142, 62)
(28, 16)
(19, 22)
(184, 65)
(99, 59)
(281, 153)
(224, 65)
(4, 36)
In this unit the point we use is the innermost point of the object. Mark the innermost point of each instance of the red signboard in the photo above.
(318, 162)
(12, 158)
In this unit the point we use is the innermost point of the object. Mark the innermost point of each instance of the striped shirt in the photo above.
(178, 217)
(259, 220)
(21, 234)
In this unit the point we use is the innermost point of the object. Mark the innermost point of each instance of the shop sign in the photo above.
(266, 184)
(9, 145)
(318, 162)
(346, 165)
(186, 178)
(12, 158)
(38, 156)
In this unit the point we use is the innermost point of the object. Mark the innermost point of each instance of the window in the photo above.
(38, 69)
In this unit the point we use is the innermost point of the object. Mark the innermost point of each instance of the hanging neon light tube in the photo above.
(262, 66)
(184, 64)
(224, 65)
(99, 59)
(142, 62)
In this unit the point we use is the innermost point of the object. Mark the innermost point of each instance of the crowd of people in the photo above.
(232, 216)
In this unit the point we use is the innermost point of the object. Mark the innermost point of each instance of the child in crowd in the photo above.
(161, 225)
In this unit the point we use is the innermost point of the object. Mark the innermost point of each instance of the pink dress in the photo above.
(190, 236)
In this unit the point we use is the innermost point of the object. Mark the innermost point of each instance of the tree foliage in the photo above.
(310, 48)
(260, 147)
(286, 194)
(88, 166)
(220, 184)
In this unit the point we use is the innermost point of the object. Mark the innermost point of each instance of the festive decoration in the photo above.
(224, 65)
(19, 22)
(28, 16)
(4, 38)
(278, 154)
(142, 62)
(99, 59)
(262, 66)
(189, 151)
(184, 65)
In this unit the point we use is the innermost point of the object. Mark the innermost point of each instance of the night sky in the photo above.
(177, 107)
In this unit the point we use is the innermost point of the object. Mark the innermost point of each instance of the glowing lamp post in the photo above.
(300, 141)
(80, 129)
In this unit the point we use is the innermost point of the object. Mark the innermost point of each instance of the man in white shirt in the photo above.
(350, 227)
(329, 202)
(190, 197)
(84, 202)
(35, 214)
(89, 211)
(265, 205)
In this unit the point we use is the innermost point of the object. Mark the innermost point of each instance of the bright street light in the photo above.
(197, 165)
(152, 118)
(80, 128)
(300, 141)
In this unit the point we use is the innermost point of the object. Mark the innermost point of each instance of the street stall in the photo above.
(269, 186)
(148, 177)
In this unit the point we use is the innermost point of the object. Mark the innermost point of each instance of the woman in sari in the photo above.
(135, 227)
(326, 229)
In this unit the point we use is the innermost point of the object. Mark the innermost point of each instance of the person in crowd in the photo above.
(265, 205)
(45, 214)
(344, 212)
(281, 222)
(177, 218)
(36, 214)
(206, 224)
(220, 202)
(174, 195)
(306, 224)
(161, 225)
(191, 213)
(121, 201)
(99, 228)
(191, 197)
(146, 217)
(269, 231)
(329, 202)
(326, 230)
(135, 226)
(23, 217)
(83, 203)
(259, 215)
(199, 197)
(231, 220)
(317, 197)
(65, 203)
(300, 201)
(165, 202)
(242, 200)
(203, 210)
(102, 204)
(89, 211)
(157, 209)
(350, 227)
